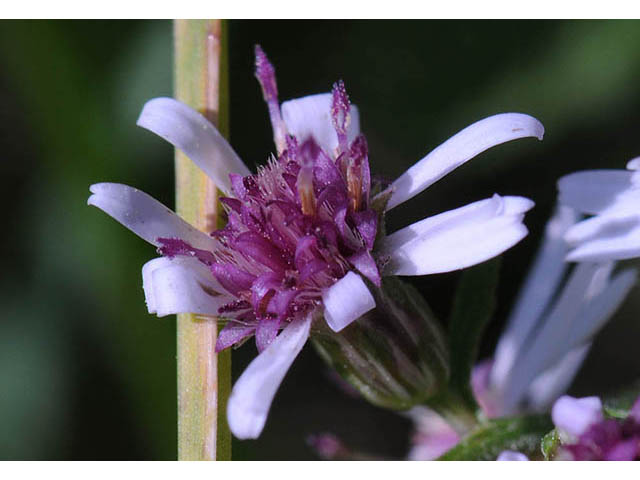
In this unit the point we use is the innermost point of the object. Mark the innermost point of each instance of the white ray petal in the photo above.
(634, 164)
(192, 133)
(594, 191)
(555, 381)
(600, 309)
(460, 148)
(603, 226)
(253, 393)
(539, 287)
(145, 216)
(616, 241)
(576, 415)
(181, 285)
(473, 212)
(310, 116)
(346, 300)
(456, 239)
(549, 344)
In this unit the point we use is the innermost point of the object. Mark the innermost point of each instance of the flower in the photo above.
(433, 435)
(612, 200)
(558, 311)
(511, 456)
(304, 237)
(587, 435)
(550, 328)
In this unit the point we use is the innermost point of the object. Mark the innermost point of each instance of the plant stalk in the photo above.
(204, 377)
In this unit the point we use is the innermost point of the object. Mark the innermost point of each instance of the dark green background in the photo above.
(86, 373)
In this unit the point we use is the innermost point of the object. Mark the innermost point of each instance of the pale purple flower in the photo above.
(433, 436)
(611, 199)
(587, 435)
(574, 416)
(329, 447)
(551, 326)
(512, 456)
(302, 240)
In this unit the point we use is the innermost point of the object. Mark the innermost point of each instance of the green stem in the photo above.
(204, 377)
(452, 407)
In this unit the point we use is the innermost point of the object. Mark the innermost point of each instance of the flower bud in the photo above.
(395, 354)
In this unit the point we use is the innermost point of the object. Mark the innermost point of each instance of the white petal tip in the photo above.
(539, 130)
(189, 131)
(253, 393)
(634, 164)
(346, 301)
(460, 148)
(459, 238)
(243, 425)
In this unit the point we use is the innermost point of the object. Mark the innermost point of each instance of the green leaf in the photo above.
(473, 307)
(522, 434)
(618, 403)
(549, 444)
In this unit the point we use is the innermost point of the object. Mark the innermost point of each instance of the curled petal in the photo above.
(346, 300)
(145, 216)
(595, 191)
(310, 117)
(602, 226)
(474, 212)
(458, 238)
(608, 239)
(460, 148)
(576, 415)
(181, 285)
(253, 393)
(192, 133)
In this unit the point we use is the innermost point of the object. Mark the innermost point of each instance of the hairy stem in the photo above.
(204, 377)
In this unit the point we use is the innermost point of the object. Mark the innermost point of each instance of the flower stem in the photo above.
(204, 377)
(455, 411)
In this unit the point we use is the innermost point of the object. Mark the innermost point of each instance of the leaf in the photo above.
(473, 307)
(549, 444)
(522, 434)
(618, 403)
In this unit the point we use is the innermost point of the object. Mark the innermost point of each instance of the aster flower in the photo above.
(304, 246)
(611, 199)
(549, 331)
(587, 435)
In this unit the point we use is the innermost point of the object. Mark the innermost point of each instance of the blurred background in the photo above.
(87, 373)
